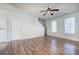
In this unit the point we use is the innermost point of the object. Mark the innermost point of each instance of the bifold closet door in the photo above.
(3, 29)
(15, 29)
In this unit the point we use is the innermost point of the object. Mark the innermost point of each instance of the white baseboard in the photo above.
(74, 39)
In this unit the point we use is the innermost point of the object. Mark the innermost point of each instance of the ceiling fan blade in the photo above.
(43, 11)
(55, 10)
(44, 14)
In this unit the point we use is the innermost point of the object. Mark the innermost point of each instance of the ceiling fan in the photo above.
(49, 10)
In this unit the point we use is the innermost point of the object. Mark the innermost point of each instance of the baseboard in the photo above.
(28, 38)
(63, 38)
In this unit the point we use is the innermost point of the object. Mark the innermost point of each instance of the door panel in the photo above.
(15, 29)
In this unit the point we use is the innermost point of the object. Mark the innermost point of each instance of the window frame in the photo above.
(69, 26)
(54, 31)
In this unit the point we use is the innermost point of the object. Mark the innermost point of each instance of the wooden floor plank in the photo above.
(42, 46)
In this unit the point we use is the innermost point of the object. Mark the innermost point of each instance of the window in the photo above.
(69, 25)
(54, 26)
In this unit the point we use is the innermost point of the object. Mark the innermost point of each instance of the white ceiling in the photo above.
(35, 8)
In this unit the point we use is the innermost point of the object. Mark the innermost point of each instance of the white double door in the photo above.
(3, 29)
(10, 29)
(16, 30)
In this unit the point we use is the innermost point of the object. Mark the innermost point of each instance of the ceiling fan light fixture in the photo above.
(48, 12)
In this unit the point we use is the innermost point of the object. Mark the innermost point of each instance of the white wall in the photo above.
(60, 27)
(21, 26)
(32, 28)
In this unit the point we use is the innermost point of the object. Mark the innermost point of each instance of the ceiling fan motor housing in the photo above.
(51, 13)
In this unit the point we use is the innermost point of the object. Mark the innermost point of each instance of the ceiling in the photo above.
(35, 8)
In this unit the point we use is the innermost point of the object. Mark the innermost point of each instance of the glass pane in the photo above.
(54, 26)
(70, 25)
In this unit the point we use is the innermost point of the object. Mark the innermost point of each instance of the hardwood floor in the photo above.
(42, 46)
